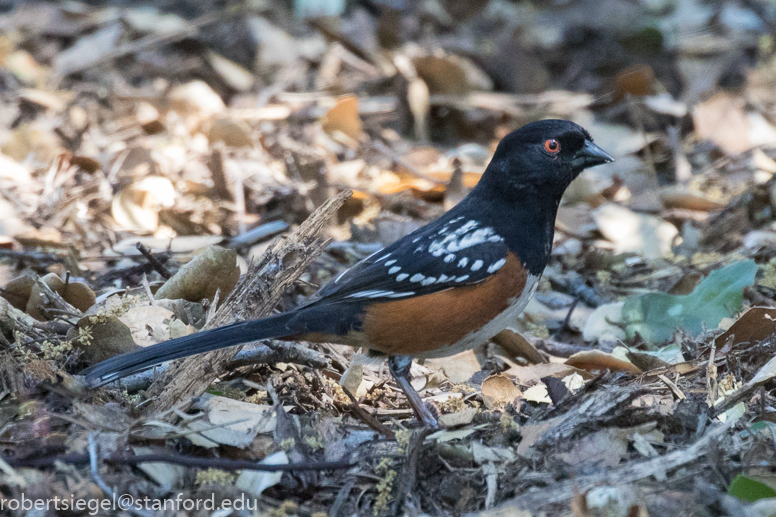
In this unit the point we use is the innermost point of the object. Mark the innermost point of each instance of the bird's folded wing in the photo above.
(448, 253)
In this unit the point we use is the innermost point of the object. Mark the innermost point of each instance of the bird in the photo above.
(447, 287)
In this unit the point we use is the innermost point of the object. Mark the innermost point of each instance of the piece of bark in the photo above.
(255, 296)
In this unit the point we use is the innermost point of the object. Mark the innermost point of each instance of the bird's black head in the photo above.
(545, 155)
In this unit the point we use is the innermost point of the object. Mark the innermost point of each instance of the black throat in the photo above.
(524, 216)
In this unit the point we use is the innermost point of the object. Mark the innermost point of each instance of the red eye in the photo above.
(552, 146)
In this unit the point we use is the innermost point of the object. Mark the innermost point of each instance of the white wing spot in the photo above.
(417, 277)
(462, 278)
(463, 237)
(463, 262)
(416, 239)
(383, 258)
(390, 262)
(428, 281)
(497, 265)
(370, 294)
(400, 295)
(442, 279)
(477, 265)
(394, 269)
(450, 258)
(402, 277)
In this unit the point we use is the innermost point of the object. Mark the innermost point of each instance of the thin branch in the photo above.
(155, 262)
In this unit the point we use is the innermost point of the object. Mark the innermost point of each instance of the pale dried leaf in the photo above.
(498, 391)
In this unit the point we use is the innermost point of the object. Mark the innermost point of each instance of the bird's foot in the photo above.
(400, 369)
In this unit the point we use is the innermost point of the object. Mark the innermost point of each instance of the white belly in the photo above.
(493, 327)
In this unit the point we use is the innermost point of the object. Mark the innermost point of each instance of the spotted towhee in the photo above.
(449, 286)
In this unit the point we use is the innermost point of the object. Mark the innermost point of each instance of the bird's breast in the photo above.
(449, 321)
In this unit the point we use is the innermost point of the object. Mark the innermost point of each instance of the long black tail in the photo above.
(207, 341)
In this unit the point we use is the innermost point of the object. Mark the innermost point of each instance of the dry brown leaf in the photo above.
(25, 68)
(646, 362)
(231, 131)
(722, 120)
(149, 118)
(18, 290)
(755, 325)
(527, 375)
(77, 294)
(33, 139)
(538, 393)
(236, 422)
(451, 74)
(647, 235)
(54, 101)
(233, 74)
(595, 360)
(458, 418)
(637, 81)
(213, 269)
(149, 324)
(458, 367)
(343, 117)
(195, 98)
(518, 346)
(137, 206)
(32, 237)
(677, 196)
(498, 391)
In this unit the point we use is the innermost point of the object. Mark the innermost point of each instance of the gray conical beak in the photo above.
(591, 155)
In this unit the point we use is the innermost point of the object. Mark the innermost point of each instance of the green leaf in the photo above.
(748, 489)
(655, 316)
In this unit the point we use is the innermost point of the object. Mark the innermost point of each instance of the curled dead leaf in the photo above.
(676, 196)
(755, 325)
(344, 118)
(196, 98)
(527, 375)
(595, 360)
(498, 391)
(18, 290)
(231, 131)
(137, 206)
(77, 294)
(458, 367)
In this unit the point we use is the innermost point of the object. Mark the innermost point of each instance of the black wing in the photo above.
(451, 251)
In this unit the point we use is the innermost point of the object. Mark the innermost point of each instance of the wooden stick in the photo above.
(254, 297)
